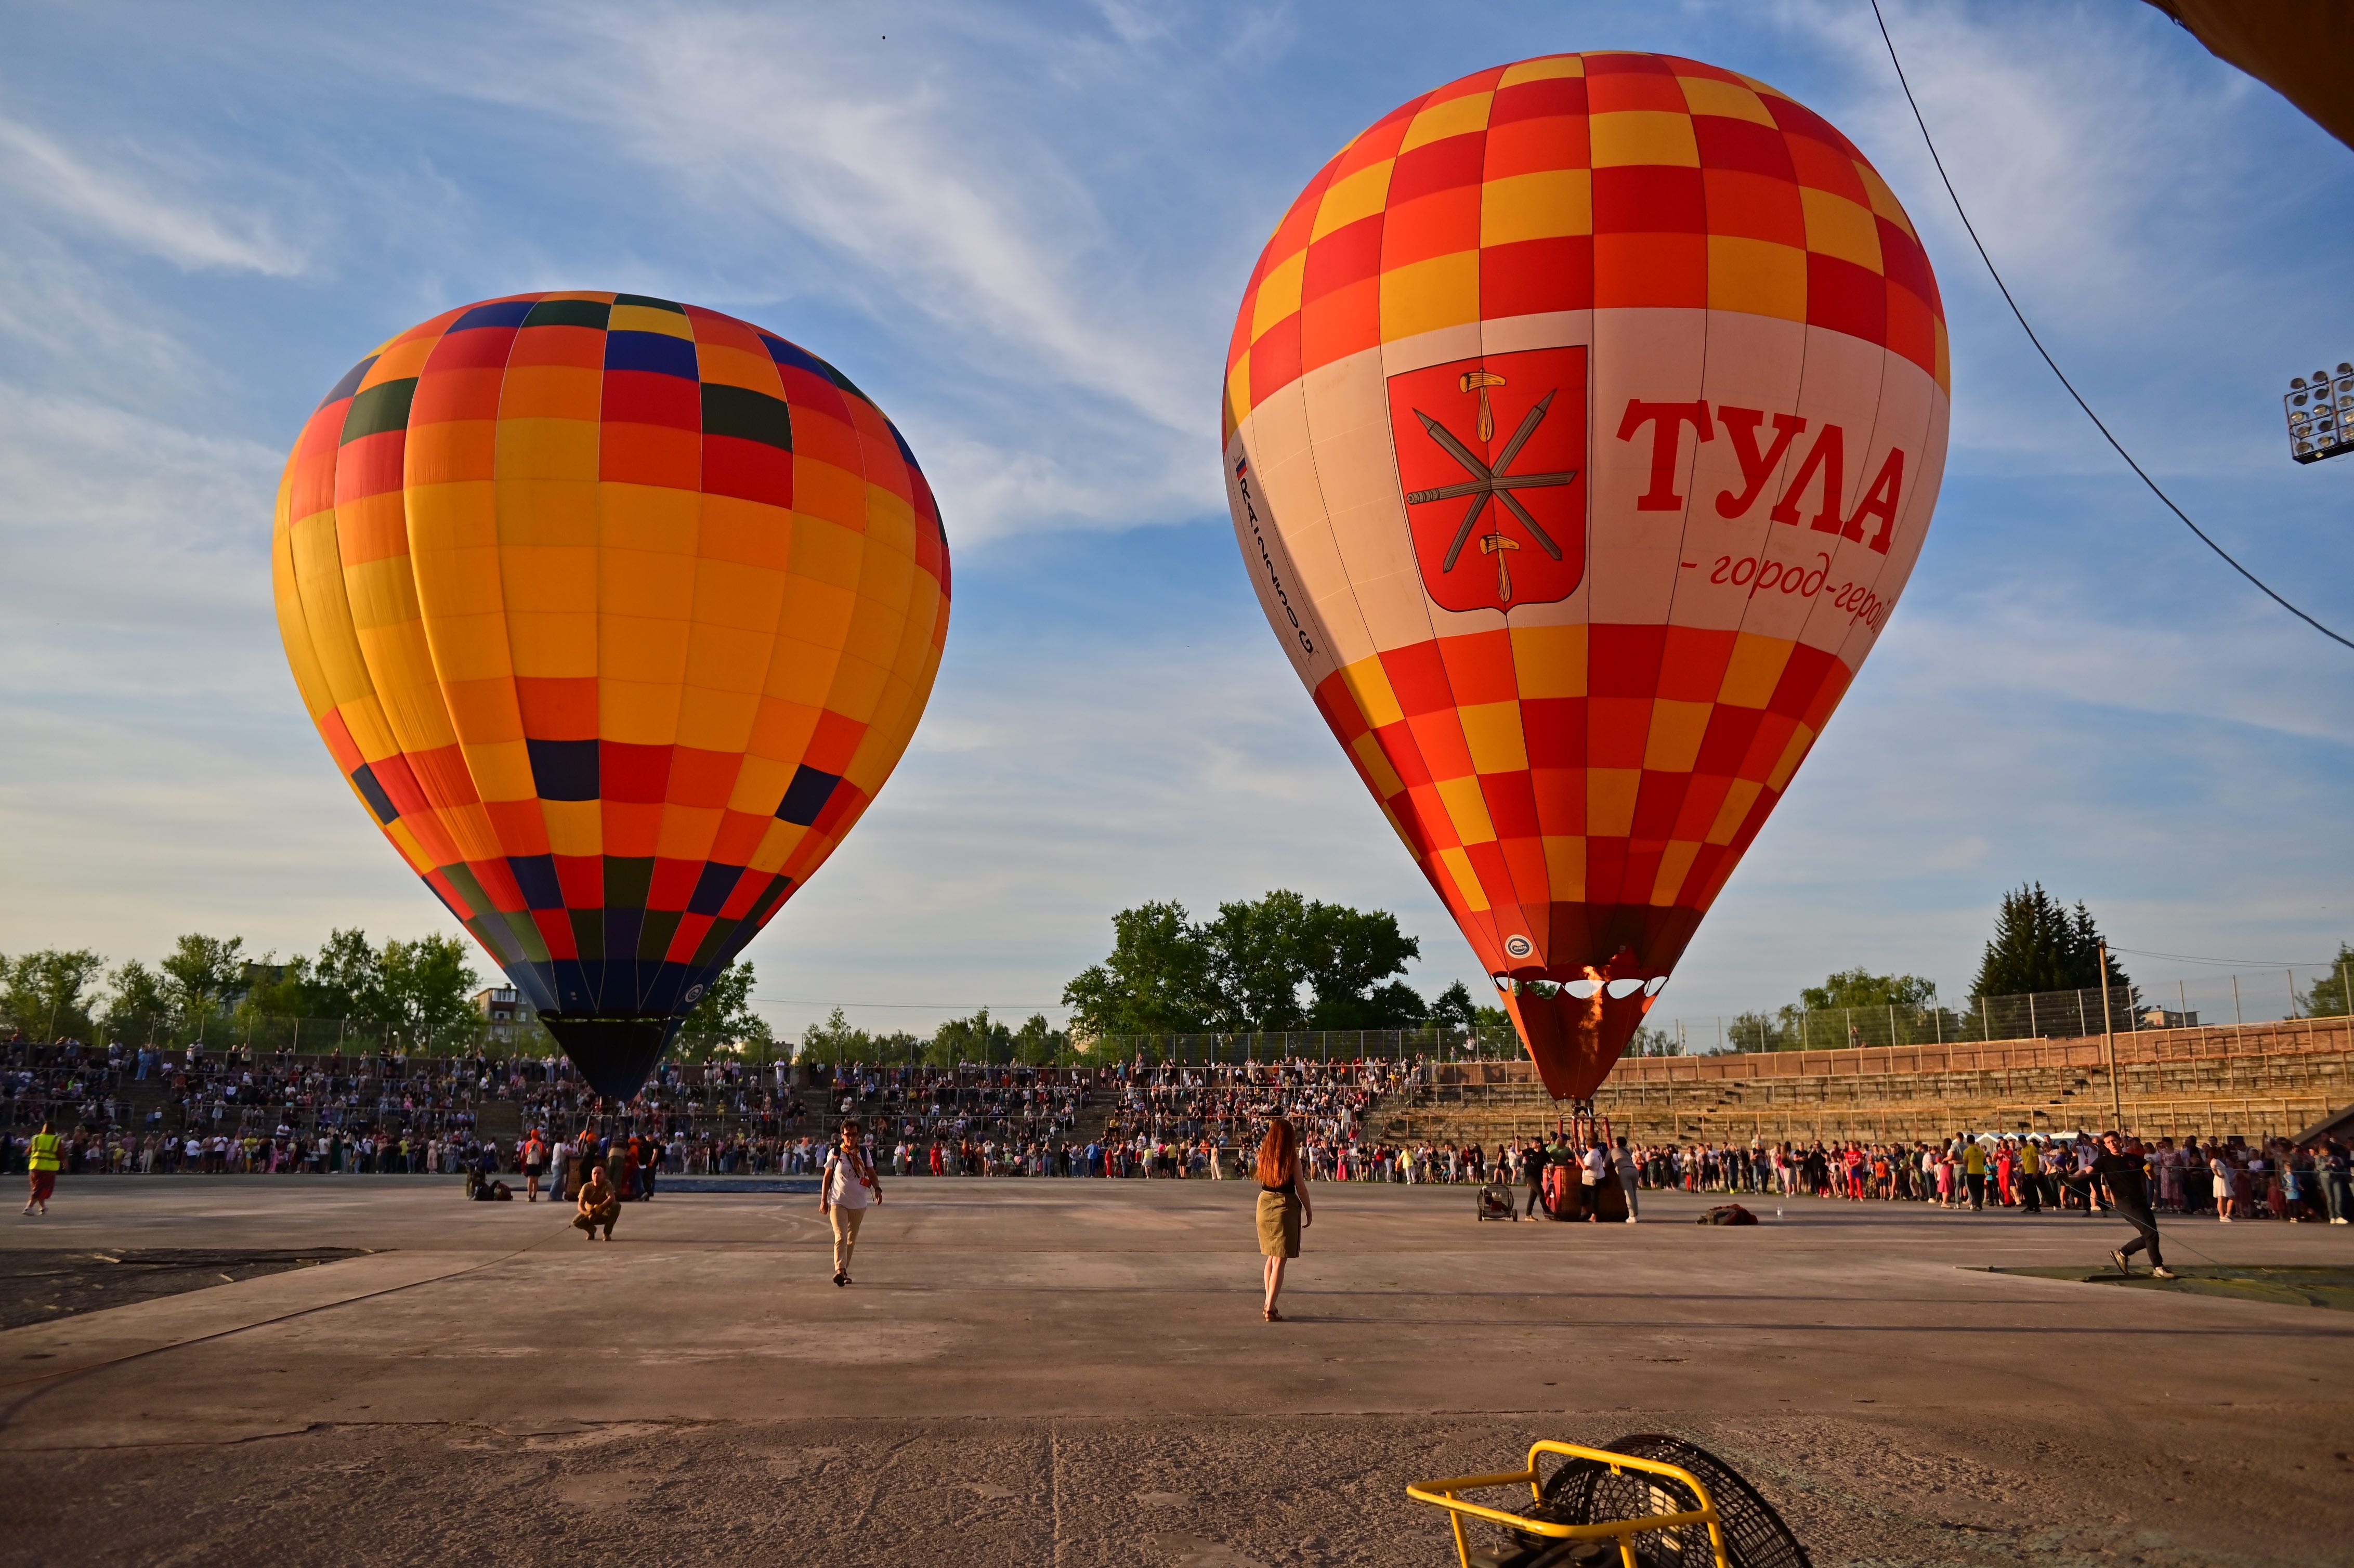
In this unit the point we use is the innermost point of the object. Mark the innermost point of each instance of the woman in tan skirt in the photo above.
(1283, 1209)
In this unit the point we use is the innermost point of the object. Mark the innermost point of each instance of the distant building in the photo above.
(2166, 1017)
(504, 1011)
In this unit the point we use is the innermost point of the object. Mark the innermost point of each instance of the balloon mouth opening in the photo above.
(614, 1054)
(1583, 987)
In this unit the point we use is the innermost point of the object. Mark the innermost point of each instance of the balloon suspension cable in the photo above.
(2138, 471)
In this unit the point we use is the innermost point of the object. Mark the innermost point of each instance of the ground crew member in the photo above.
(1533, 1169)
(2127, 1177)
(1974, 1172)
(48, 1157)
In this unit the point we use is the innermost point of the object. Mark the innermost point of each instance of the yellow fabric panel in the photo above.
(858, 687)
(1541, 205)
(381, 594)
(732, 596)
(547, 511)
(485, 711)
(1673, 743)
(1792, 755)
(574, 826)
(641, 647)
(402, 838)
(801, 668)
(1837, 226)
(1735, 811)
(728, 658)
(781, 732)
(1467, 808)
(1492, 731)
(760, 783)
(1458, 866)
(1633, 136)
(1424, 296)
(1756, 276)
(825, 551)
(1542, 71)
(1549, 660)
(648, 518)
(1278, 293)
(326, 606)
(547, 448)
(1755, 669)
(778, 841)
(640, 713)
(1369, 752)
(1239, 403)
(553, 645)
(1675, 864)
(1706, 95)
(373, 527)
(1883, 200)
(1451, 117)
(540, 579)
(646, 318)
(1357, 195)
(1610, 801)
(468, 647)
(723, 366)
(399, 360)
(717, 720)
(1565, 868)
(1369, 683)
(746, 532)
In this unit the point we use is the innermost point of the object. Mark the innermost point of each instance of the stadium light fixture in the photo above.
(2320, 410)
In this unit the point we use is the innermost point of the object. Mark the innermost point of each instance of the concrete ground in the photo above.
(1075, 1373)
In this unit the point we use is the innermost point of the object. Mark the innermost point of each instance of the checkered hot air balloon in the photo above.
(1583, 421)
(615, 613)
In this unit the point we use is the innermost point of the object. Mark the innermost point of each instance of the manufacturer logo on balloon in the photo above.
(1519, 947)
(1491, 456)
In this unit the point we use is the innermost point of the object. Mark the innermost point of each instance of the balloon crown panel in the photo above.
(1583, 418)
(615, 613)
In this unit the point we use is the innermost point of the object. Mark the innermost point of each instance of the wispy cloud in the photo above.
(125, 208)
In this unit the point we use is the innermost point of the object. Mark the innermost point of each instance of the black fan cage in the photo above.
(1583, 1491)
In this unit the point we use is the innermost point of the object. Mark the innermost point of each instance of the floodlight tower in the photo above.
(2320, 414)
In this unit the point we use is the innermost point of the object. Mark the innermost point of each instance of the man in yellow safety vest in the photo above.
(47, 1158)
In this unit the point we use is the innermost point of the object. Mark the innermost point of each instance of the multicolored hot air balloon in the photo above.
(1583, 422)
(615, 613)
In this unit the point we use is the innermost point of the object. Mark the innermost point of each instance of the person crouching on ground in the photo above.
(600, 1204)
(850, 1186)
(1283, 1207)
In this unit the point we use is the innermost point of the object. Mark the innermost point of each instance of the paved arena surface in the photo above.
(1075, 1373)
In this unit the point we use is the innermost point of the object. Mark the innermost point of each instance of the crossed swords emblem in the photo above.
(1491, 482)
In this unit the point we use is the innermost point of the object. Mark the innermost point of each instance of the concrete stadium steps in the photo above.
(2271, 1081)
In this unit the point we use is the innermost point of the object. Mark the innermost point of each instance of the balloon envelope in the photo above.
(1583, 421)
(615, 613)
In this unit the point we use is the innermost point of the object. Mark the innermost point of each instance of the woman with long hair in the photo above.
(1283, 1207)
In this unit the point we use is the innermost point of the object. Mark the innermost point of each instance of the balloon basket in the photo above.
(1643, 1500)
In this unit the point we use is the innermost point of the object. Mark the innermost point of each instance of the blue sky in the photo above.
(1023, 230)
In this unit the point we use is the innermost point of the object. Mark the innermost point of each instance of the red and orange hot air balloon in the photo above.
(1583, 421)
(615, 613)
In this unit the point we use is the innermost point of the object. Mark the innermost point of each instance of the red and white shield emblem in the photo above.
(1492, 451)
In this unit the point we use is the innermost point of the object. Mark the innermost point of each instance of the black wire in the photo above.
(2037, 342)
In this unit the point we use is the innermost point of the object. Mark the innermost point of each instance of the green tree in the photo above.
(979, 1038)
(204, 975)
(836, 1041)
(346, 980)
(2040, 946)
(137, 1008)
(427, 990)
(1352, 955)
(1649, 1041)
(1454, 1008)
(1861, 988)
(1760, 1031)
(723, 1020)
(1157, 980)
(46, 994)
(279, 991)
(2328, 998)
